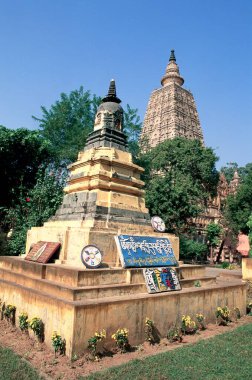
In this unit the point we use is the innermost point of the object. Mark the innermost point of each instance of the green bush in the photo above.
(34, 207)
(192, 250)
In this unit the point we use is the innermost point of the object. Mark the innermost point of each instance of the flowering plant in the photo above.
(58, 343)
(23, 321)
(222, 315)
(237, 313)
(92, 342)
(37, 327)
(201, 321)
(9, 310)
(9, 313)
(150, 332)
(188, 326)
(174, 334)
(121, 338)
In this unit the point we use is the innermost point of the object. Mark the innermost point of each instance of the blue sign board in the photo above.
(145, 251)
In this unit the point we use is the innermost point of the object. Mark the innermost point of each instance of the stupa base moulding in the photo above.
(76, 303)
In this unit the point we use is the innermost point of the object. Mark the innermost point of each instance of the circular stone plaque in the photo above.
(91, 256)
(158, 224)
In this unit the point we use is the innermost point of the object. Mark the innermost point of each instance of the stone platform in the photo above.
(77, 302)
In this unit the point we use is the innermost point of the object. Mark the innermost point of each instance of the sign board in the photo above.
(145, 251)
(42, 251)
(161, 280)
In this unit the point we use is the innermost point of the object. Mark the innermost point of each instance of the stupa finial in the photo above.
(111, 96)
(172, 74)
(172, 56)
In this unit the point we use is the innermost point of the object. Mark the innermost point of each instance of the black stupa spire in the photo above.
(172, 56)
(111, 96)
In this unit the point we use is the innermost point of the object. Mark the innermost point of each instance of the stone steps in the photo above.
(187, 271)
(74, 284)
(87, 289)
(204, 281)
(75, 277)
(72, 293)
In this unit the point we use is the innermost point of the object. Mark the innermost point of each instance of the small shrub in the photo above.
(121, 339)
(224, 265)
(9, 313)
(249, 308)
(188, 326)
(222, 316)
(150, 331)
(58, 343)
(23, 322)
(237, 313)
(201, 321)
(232, 266)
(92, 342)
(2, 310)
(197, 284)
(37, 326)
(191, 249)
(174, 334)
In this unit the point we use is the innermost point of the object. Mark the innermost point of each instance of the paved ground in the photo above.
(211, 271)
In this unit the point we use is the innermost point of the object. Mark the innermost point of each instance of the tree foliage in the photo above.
(231, 167)
(192, 250)
(67, 123)
(21, 153)
(213, 233)
(182, 176)
(34, 207)
(132, 128)
(239, 206)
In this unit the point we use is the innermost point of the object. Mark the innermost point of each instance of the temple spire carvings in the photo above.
(171, 110)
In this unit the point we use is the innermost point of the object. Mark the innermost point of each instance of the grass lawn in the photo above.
(12, 367)
(227, 356)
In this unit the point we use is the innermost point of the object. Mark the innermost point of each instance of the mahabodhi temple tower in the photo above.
(171, 110)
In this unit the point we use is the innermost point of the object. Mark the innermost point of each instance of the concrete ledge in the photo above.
(247, 268)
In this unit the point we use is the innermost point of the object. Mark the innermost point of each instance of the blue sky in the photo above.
(54, 46)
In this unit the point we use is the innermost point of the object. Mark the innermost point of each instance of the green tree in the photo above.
(35, 207)
(132, 128)
(67, 123)
(192, 250)
(21, 154)
(231, 167)
(182, 176)
(239, 206)
(229, 170)
(213, 233)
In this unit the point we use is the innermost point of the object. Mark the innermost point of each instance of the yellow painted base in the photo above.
(77, 303)
(247, 268)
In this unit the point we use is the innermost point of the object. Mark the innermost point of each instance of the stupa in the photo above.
(171, 110)
(103, 196)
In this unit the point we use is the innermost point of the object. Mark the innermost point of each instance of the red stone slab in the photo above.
(42, 251)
